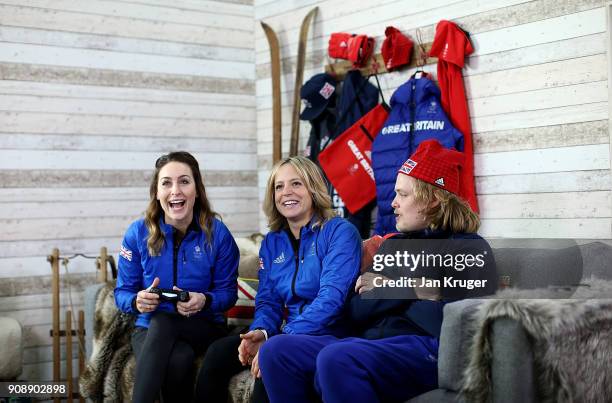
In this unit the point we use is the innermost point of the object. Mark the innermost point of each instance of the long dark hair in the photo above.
(201, 208)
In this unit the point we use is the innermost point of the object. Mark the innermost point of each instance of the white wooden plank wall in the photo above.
(91, 93)
(537, 89)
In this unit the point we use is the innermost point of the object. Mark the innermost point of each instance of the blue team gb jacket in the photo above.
(200, 267)
(313, 285)
(416, 115)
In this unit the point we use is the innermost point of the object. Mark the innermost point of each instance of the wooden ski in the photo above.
(276, 92)
(299, 75)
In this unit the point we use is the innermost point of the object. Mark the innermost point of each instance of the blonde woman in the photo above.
(178, 245)
(308, 263)
(395, 356)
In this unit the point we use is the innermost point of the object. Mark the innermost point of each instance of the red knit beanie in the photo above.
(432, 163)
(396, 49)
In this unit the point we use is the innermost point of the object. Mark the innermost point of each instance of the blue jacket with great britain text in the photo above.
(416, 115)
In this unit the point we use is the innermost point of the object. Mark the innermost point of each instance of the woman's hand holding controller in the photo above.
(147, 301)
(195, 304)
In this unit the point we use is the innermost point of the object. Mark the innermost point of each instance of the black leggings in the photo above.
(220, 364)
(165, 354)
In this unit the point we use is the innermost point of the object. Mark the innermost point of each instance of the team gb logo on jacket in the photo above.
(197, 252)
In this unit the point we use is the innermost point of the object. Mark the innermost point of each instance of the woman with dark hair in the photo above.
(180, 245)
(308, 263)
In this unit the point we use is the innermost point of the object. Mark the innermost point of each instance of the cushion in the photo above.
(539, 267)
(596, 258)
(241, 315)
(369, 248)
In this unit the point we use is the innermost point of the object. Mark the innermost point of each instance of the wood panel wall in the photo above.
(91, 93)
(537, 88)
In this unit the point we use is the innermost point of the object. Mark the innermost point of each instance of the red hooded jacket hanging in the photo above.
(451, 46)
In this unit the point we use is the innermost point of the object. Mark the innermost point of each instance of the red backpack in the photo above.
(347, 161)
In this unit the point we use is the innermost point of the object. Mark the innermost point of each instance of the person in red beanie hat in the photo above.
(396, 49)
(433, 175)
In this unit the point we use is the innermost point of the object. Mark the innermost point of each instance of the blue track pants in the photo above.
(296, 367)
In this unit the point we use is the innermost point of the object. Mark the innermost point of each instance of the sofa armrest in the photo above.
(89, 308)
(512, 371)
(455, 340)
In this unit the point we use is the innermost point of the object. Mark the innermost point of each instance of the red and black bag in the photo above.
(347, 161)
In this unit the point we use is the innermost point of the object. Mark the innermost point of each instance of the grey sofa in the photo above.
(527, 264)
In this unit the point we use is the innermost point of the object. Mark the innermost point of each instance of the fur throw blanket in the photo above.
(572, 342)
(108, 376)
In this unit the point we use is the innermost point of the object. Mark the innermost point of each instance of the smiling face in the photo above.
(291, 197)
(408, 212)
(176, 192)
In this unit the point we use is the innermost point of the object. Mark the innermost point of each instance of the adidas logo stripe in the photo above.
(280, 259)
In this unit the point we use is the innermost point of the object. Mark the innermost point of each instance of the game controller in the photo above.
(170, 295)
